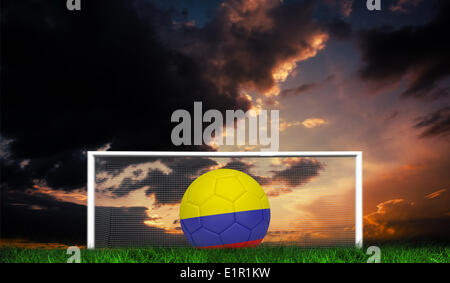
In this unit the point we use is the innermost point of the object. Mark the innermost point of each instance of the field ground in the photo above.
(428, 253)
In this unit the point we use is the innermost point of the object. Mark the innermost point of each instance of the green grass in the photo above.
(389, 253)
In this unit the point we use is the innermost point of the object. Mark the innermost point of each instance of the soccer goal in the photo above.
(134, 197)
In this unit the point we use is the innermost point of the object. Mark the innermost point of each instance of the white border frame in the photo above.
(358, 177)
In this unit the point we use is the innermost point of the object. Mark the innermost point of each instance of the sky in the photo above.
(110, 76)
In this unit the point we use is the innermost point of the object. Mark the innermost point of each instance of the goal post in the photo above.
(125, 168)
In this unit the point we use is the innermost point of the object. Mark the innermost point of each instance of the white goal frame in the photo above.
(355, 154)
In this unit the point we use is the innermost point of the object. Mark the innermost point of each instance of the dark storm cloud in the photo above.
(424, 219)
(403, 6)
(114, 73)
(419, 53)
(238, 164)
(190, 165)
(304, 87)
(166, 187)
(79, 80)
(245, 43)
(299, 172)
(64, 171)
(13, 176)
(340, 29)
(435, 124)
(296, 173)
(42, 218)
(246, 167)
(170, 188)
(119, 163)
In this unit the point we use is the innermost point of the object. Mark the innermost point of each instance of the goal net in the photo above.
(134, 197)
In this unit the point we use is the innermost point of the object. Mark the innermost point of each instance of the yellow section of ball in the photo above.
(222, 191)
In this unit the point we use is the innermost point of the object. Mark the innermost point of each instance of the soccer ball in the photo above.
(224, 208)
